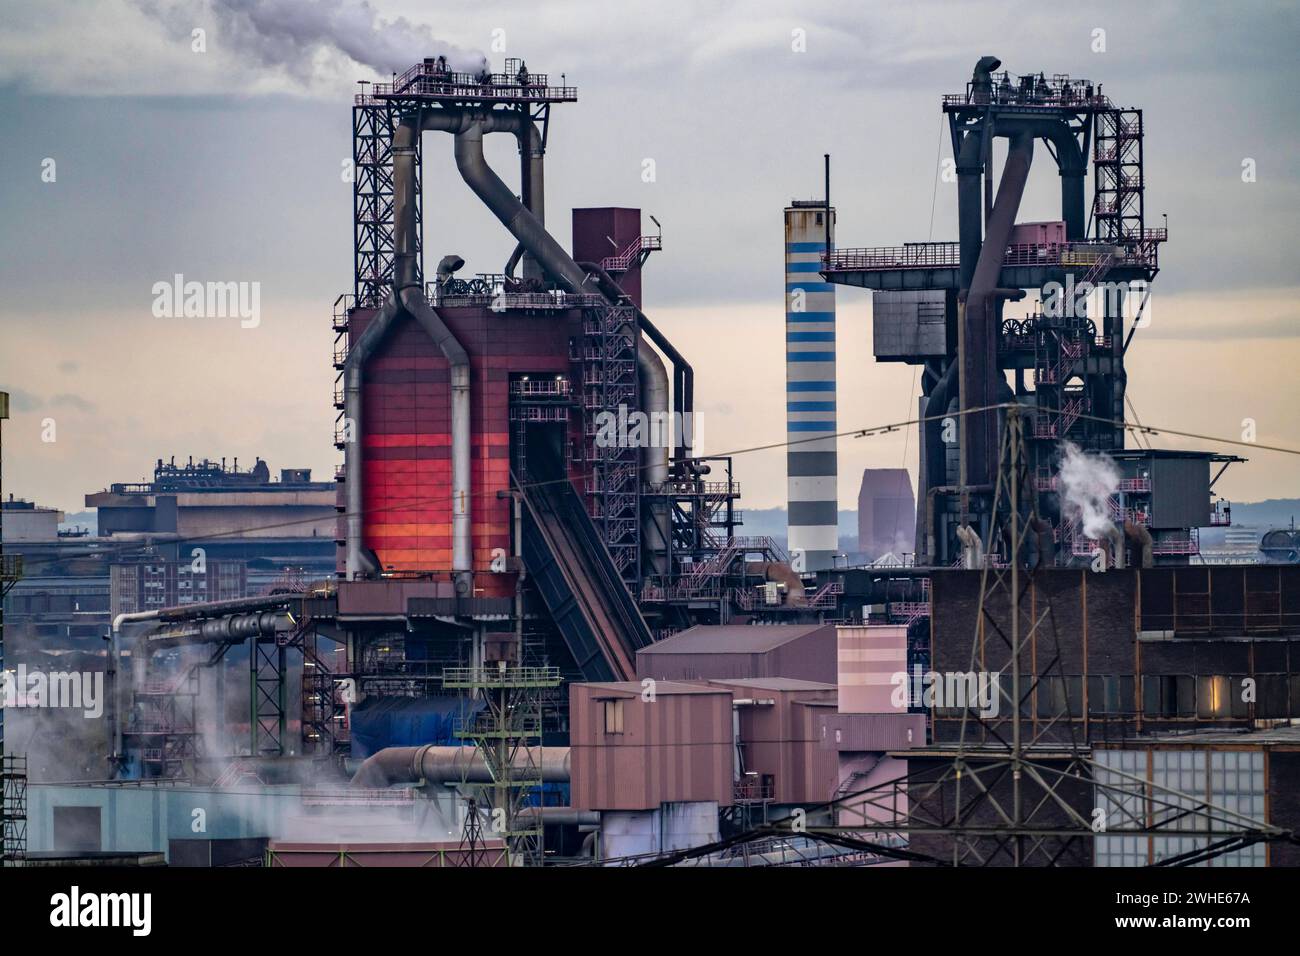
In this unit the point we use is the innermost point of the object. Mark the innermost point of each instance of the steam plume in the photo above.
(290, 33)
(1086, 482)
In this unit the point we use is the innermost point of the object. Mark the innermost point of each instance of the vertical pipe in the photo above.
(410, 293)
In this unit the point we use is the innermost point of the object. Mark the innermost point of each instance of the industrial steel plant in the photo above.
(525, 625)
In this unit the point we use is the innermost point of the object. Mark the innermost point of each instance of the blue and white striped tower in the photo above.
(811, 467)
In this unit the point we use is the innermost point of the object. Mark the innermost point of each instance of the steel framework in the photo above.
(508, 733)
(373, 124)
(13, 767)
(1011, 790)
(607, 356)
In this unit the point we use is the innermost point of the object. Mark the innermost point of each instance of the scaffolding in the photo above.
(1118, 200)
(607, 356)
(373, 123)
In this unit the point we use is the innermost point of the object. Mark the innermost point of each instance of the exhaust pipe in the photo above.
(972, 549)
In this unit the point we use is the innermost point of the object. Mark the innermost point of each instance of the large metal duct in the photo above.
(410, 294)
(234, 627)
(977, 325)
(231, 627)
(357, 562)
(434, 764)
(532, 235)
(498, 197)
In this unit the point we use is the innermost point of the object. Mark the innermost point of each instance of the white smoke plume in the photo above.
(292, 34)
(1086, 482)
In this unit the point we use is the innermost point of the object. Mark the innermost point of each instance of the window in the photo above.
(1168, 695)
(613, 716)
(1213, 697)
(1110, 694)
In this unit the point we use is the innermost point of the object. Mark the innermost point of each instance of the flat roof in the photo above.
(1128, 454)
(661, 687)
(731, 638)
(1288, 735)
(773, 683)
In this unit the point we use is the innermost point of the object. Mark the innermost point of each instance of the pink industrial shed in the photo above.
(631, 752)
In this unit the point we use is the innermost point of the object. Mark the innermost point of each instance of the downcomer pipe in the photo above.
(979, 375)
(357, 562)
(433, 764)
(532, 235)
(409, 292)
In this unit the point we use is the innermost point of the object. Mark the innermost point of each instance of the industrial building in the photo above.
(541, 637)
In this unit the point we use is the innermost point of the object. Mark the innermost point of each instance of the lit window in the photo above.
(613, 716)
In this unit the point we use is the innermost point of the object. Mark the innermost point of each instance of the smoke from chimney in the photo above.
(290, 33)
(1086, 482)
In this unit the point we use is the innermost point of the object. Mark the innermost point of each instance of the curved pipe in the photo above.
(532, 235)
(978, 328)
(409, 292)
(972, 548)
(561, 816)
(434, 764)
(513, 214)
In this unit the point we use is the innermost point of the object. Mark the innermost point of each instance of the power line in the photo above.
(871, 431)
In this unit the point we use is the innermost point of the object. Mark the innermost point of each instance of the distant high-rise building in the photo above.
(811, 465)
(886, 512)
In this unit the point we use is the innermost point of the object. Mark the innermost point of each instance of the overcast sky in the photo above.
(225, 165)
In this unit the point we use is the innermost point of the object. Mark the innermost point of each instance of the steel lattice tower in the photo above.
(508, 734)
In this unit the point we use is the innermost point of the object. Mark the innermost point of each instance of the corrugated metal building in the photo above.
(779, 733)
(631, 752)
